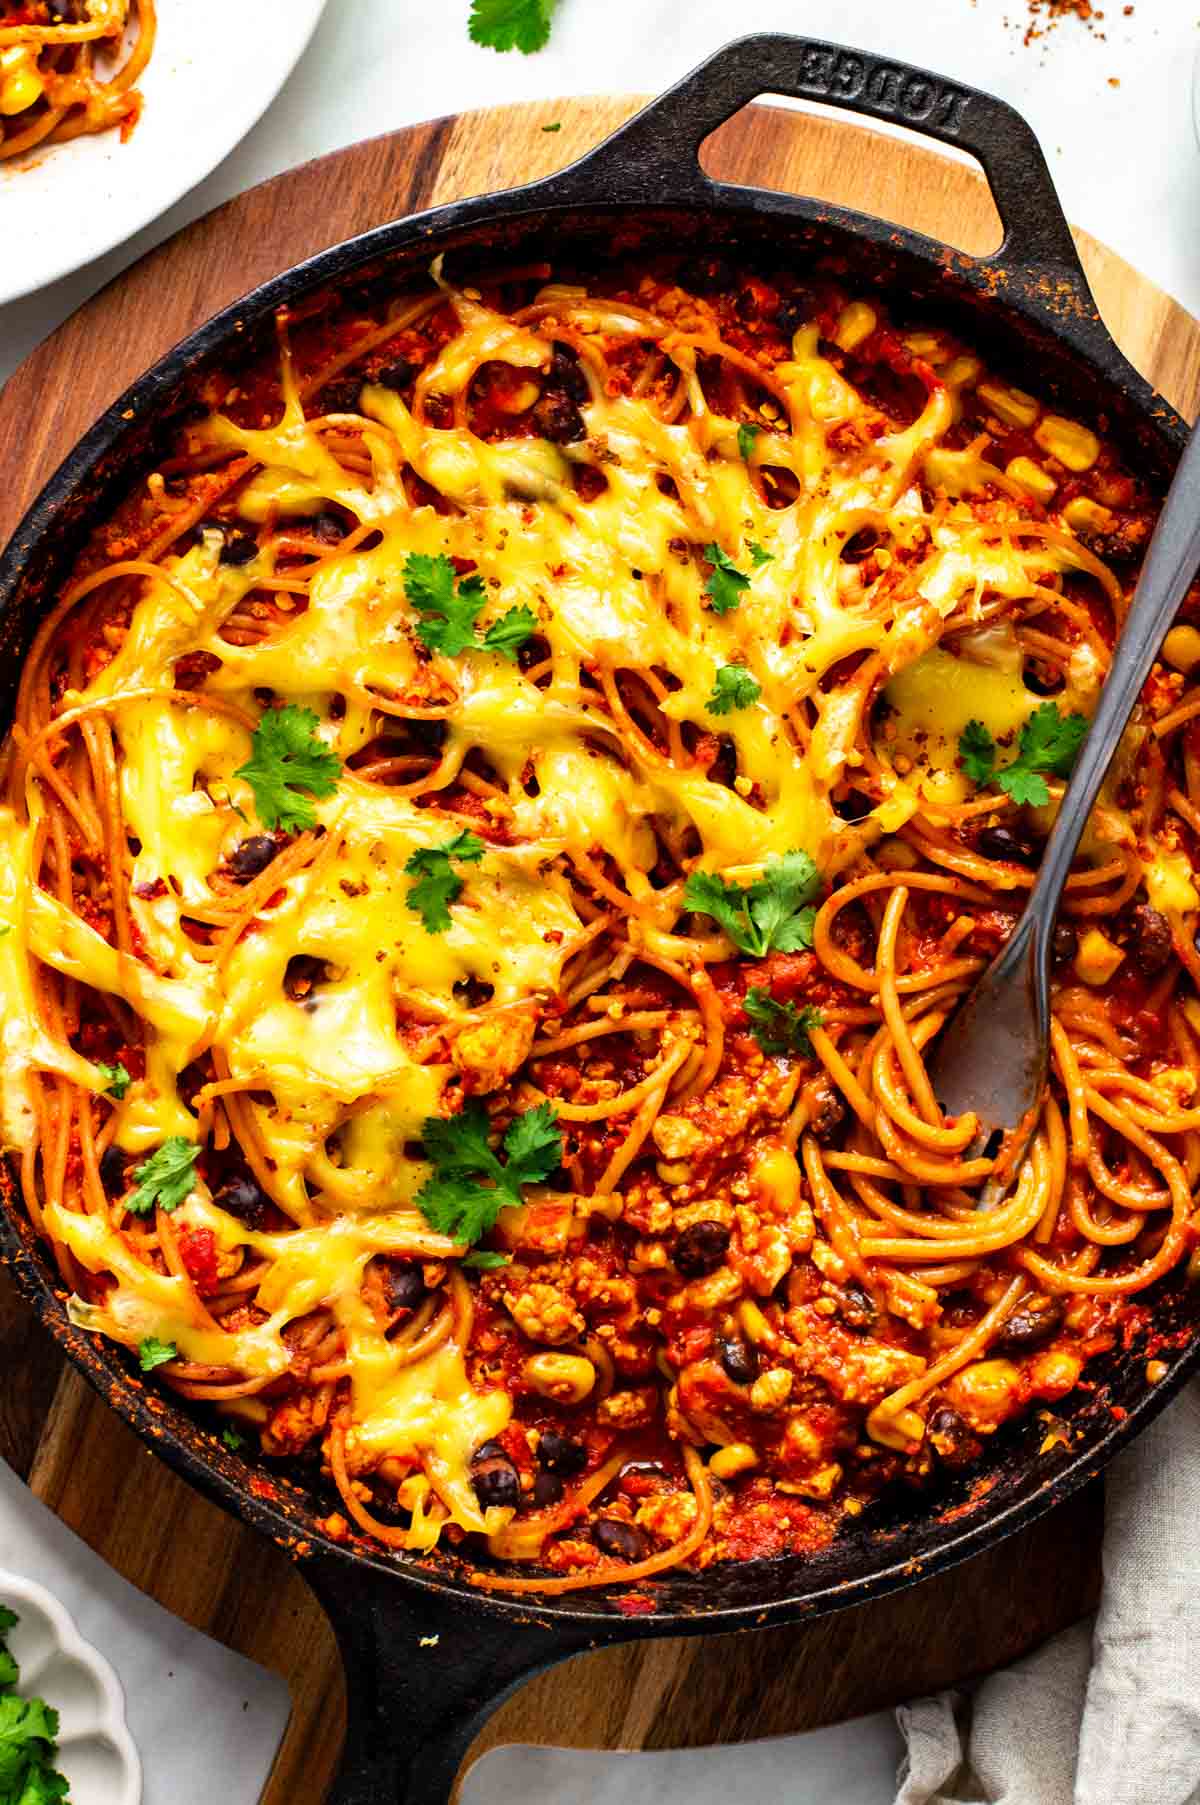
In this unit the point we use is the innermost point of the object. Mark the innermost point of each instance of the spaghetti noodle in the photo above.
(68, 69)
(494, 828)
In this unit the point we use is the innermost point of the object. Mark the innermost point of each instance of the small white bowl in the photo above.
(95, 1749)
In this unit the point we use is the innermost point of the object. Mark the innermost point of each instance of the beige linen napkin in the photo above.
(1108, 1713)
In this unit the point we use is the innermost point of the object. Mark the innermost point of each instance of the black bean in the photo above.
(252, 856)
(404, 1285)
(561, 1453)
(565, 374)
(1002, 843)
(857, 1308)
(244, 1198)
(489, 1450)
(397, 374)
(238, 548)
(739, 1360)
(623, 1540)
(700, 1249)
(828, 1114)
(496, 1482)
(1029, 1326)
(707, 274)
(950, 1438)
(301, 974)
(1063, 942)
(328, 527)
(341, 396)
(556, 418)
(548, 1489)
(1150, 941)
(112, 1169)
(791, 314)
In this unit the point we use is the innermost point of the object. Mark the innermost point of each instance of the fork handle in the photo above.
(1166, 575)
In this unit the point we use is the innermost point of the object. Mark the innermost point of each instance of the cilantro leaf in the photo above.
(8, 1619)
(726, 584)
(977, 750)
(28, 1729)
(508, 634)
(233, 1439)
(780, 1027)
(733, 687)
(166, 1178)
(449, 607)
(511, 24)
(288, 757)
(1049, 743)
(116, 1079)
(774, 914)
(152, 1352)
(759, 555)
(457, 1201)
(746, 435)
(533, 1145)
(10, 1673)
(480, 1260)
(438, 885)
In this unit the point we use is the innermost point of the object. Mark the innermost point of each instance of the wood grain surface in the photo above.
(85, 1463)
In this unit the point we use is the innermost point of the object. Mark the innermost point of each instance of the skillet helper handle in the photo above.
(654, 157)
(423, 1672)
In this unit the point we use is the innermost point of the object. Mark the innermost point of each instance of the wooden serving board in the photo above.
(85, 1463)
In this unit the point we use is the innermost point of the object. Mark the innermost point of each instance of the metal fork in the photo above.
(993, 1057)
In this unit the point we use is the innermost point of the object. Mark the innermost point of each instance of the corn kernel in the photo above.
(1073, 445)
(567, 1378)
(856, 322)
(1013, 406)
(962, 372)
(1032, 477)
(1181, 649)
(738, 1457)
(519, 399)
(755, 1324)
(1087, 517)
(20, 83)
(1096, 958)
(1155, 1371)
(771, 1389)
(929, 345)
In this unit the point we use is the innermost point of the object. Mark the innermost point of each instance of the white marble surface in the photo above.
(1126, 162)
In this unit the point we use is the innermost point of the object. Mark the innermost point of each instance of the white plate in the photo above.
(217, 66)
(95, 1749)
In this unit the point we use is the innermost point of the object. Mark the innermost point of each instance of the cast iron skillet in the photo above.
(415, 1704)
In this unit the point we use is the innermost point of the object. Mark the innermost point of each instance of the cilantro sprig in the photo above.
(1049, 743)
(28, 1736)
(152, 1352)
(166, 1178)
(512, 24)
(780, 1027)
(116, 1079)
(287, 759)
(438, 884)
(470, 1185)
(726, 583)
(449, 606)
(746, 435)
(773, 915)
(733, 687)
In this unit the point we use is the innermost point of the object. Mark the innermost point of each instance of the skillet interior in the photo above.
(1017, 1477)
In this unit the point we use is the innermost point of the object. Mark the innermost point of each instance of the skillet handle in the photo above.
(653, 158)
(424, 1671)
